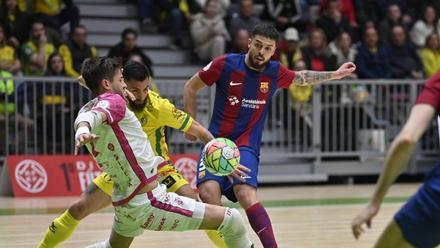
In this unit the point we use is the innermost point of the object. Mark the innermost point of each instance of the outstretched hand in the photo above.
(83, 139)
(239, 173)
(364, 217)
(345, 70)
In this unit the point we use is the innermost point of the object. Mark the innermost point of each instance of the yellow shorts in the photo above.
(167, 174)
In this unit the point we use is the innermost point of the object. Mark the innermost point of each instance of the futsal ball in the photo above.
(221, 156)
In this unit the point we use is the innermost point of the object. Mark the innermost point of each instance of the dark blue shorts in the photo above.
(248, 158)
(419, 218)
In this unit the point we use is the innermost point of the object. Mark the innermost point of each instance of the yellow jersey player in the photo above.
(154, 113)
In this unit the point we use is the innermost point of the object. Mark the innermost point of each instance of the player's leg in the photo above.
(116, 240)
(392, 237)
(246, 194)
(175, 182)
(97, 196)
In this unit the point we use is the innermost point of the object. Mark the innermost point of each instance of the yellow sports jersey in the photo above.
(30, 48)
(48, 7)
(7, 55)
(158, 113)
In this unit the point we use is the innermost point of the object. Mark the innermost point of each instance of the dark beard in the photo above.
(137, 107)
(255, 66)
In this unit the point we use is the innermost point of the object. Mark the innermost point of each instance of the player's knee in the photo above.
(208, 196)
(233, 224)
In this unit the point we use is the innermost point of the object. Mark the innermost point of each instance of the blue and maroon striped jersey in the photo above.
(242, 97)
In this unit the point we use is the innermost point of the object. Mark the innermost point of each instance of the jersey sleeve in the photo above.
(173, 117)
(112, 105)
(212, 71)
(285, 77)
(431, 92)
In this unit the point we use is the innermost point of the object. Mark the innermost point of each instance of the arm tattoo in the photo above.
(305, 77)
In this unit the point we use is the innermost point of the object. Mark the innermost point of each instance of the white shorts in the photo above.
(158, 210)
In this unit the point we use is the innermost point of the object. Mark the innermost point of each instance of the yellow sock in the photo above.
(60, 230)
(216, 238)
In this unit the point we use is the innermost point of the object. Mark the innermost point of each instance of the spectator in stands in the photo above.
(36, 51)
(345, 7)
(291, 54)
(366, 13)
(8, 56)
(241, 41)
(342, 47)
(430, 54)
(209, 33)
(316, 54)
(76, 50)
(332, 22)
(283, 13)
(16, 23)
(128, 46)
(53, 16)
(394, 17)
(425, 26)
(175, 16)
(244, 19)
(55, 66)
(406, 9)
(223, 5)
(404, 60)
(372, 60)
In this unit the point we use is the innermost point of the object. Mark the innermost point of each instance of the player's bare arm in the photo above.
(396, 158)
(307, 77)
(189, 99)
(83, 128)
(199, 131)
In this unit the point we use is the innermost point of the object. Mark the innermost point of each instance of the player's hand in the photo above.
(239, 173)
(345, 70)
(129, 95)
(83, 139)
(365, 216)
(190, 137)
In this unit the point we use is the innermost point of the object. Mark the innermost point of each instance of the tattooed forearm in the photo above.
(311, 77)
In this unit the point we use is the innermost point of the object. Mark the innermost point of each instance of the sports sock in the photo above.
(261, 224)
(60, 230)
(234, 231)
(102, 244)
(216, 238)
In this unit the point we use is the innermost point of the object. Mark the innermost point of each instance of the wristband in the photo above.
(81, 130)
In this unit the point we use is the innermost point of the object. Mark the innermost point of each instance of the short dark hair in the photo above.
(266, 30)
(135, 70)
(94, 70)
(127, 31)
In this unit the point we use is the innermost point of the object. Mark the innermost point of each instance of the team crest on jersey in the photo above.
(143, 121)
(178, 114)
(264, 87)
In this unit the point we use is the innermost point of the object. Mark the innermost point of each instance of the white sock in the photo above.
(234, 230)
(102, 244)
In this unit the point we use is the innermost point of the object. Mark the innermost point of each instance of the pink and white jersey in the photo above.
(123, 149)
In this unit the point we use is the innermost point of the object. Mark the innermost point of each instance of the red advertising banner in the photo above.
(66, 175)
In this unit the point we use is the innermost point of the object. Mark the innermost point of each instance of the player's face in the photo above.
(140, 91)
(261, 49)
(117, 85)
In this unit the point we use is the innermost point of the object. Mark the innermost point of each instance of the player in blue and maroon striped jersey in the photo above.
(245, 84)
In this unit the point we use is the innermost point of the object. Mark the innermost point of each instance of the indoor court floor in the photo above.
(302, 216)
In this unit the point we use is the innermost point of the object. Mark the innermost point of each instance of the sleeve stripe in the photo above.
(106, 112)
(185, 122)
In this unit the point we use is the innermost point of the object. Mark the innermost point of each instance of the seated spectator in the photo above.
(244, 19)
(240, 44)
(404, 60)
(425, 26)
(209, 33)
(75, 51)
(372, 60)
(16, 23)
(366, 13)
(291, 54)
(36, 51)
(175, 16)
(223, 5)
(316, 54)
(343, 49)
(393, 18)
(55, 66)
(8, 56)
(344, 6)
(53, 16)
(332, 22)
(128, 46)
(430, 54)
(283, 13)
